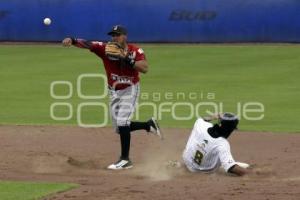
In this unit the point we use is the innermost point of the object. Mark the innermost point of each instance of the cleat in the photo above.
(121, 164)
(154, 128)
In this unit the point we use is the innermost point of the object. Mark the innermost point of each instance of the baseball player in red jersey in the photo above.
(123, 82)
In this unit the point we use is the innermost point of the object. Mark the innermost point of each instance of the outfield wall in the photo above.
(153, 20)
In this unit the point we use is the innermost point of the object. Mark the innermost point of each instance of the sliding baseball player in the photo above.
(208, 149)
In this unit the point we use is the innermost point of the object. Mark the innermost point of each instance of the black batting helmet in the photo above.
(228, 123)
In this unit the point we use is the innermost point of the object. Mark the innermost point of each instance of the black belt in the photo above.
(112, 88)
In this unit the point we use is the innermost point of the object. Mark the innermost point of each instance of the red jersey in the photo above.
(118, 74)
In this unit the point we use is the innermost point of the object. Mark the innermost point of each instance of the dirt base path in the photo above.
(78, 155)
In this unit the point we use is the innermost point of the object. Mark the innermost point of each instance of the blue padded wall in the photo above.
(153, 20)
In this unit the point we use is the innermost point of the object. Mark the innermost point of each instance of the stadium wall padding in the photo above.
(153, 20)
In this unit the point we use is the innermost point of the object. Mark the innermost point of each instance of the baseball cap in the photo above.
(118, 29)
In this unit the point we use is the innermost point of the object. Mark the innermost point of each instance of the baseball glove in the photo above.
(114, 51)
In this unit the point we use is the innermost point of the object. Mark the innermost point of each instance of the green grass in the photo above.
(30, 191)
(235, 74)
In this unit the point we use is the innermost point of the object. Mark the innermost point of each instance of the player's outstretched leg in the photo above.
(150, 126)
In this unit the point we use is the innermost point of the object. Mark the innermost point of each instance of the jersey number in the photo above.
(198, 157)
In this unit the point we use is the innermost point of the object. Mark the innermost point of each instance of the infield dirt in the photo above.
(80, 155)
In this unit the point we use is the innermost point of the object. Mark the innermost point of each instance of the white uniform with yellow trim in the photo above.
(205, 153)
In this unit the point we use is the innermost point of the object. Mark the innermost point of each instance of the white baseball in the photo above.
(47, 21)
(243, 165)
